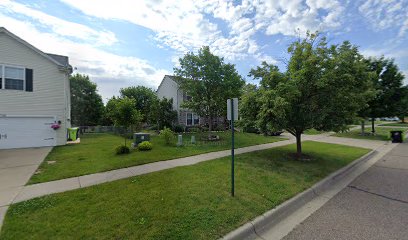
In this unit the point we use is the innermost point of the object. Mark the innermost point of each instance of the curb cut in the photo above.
(270, 218)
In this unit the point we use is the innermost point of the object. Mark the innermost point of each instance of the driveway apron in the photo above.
(16, 168)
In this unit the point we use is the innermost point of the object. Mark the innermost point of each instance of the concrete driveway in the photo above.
(16, 168)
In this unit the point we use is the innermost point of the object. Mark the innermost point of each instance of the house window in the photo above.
(192, 119)
(186, 97)
(196, 119)
(189, 119)
(12, 78)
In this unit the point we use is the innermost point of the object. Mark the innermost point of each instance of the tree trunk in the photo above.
(298, 145)
(372, 126)
(363, 127)
(210, 125)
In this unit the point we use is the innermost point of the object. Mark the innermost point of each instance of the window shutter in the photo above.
(29, 80)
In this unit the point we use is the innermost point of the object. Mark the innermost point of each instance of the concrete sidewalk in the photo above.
(373, 206)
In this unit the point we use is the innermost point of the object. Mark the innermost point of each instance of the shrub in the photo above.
(204, 129)
(219, 128)
(145, 146)
(168, 135)
(194, 129)
(178, 128)
(153, 127)
(122, 149)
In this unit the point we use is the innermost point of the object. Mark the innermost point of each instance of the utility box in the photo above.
(396, 136)
(140, 137)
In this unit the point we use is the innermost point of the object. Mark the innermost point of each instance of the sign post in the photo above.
(232, 115)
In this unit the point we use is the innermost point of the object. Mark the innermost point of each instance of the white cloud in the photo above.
(110, 71)
(59, 26)
(384, 14)
(183, 25)
(285, 17)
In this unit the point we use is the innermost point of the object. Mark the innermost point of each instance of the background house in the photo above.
(170, 89)
(34, 94)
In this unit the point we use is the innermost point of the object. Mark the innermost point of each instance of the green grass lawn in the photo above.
(96, 153)
(313, 131)
(396, 124)
(382, 134)
(191, 202)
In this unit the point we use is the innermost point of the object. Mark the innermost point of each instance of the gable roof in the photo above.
(166, 76)
(60, 61)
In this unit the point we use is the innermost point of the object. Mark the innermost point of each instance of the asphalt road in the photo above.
(374, 206)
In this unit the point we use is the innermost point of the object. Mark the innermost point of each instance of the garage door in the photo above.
(25, 132)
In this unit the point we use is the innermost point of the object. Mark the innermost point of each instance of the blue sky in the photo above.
(126, 42)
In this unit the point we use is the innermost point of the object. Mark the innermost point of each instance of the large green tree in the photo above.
(388, 84)
(249, 107)
(403, 106)
(123, 113)
(144, 99)
(322, 87)
(209, 81)
(162, 113)
(86, 104)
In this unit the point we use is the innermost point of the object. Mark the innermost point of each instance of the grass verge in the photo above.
(382, 134)
(396, 124)
(313, 131)
(191, 202)
(96, 153)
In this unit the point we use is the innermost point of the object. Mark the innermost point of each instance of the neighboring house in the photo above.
(34, 94)
(170, 89)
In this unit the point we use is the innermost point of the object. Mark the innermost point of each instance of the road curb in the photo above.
(270, 218)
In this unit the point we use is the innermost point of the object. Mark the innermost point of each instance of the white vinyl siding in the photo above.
(50, 96)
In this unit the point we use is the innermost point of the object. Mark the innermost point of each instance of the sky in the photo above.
(125, 43)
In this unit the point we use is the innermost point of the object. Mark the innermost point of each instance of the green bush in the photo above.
(145, 146)
(194, 129)
(122, 149)
(219, 128)
(168, 135)
(178, 128)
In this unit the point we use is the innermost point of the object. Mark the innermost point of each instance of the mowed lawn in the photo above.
(395, 124)
(96, 153)
(381, 133)
(191, 202)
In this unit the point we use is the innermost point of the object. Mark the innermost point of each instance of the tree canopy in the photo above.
(209, 81)
(162, 113)
(144, 99)
(323, 87)
(387, 81)
(123, 113)
(86, 104)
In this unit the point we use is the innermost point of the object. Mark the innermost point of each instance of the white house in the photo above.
(34, 95)
(170, 89)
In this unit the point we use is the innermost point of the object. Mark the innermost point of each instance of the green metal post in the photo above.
(232, 149)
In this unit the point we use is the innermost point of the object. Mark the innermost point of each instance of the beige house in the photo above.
(170, 89)
(34, 95)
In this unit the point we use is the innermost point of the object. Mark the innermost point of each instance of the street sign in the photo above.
(232, 115)
(235, 107)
